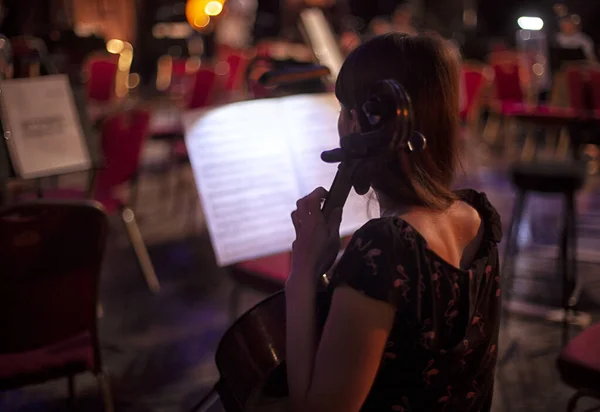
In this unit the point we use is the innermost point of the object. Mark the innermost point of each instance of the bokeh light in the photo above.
(199, 12)
(114, 46)
(213, 8)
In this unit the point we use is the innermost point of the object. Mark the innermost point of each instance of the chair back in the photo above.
(237, 63)
(101, 74)
(507, 80)
(576, 86)
(123, 136)
(473, 81)
(206, 88)
(594, 74)
(50, 254)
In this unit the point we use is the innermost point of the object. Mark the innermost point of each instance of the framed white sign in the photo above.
(252, 160)
(42, 127)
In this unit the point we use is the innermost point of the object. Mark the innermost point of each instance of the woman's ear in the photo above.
(354, 124)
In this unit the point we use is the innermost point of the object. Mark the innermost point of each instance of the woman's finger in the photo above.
(319, 193)
(314, 200)
(302, 206)
(295, 221)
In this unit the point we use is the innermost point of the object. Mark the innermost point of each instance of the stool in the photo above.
(557, 177)
(579, 365)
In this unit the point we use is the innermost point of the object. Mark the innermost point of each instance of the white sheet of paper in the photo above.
(46, 136)
(252, 160)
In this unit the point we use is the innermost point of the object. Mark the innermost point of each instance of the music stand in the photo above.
(91, 140)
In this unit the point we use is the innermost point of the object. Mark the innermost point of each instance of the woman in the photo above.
(414, 315)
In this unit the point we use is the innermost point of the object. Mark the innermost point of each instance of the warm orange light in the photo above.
(201, 21)
(194, 13)
(115, 46)
(213, 8)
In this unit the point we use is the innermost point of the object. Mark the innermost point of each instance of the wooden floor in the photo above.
(159, 349)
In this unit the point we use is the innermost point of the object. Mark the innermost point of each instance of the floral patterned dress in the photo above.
(441, 352)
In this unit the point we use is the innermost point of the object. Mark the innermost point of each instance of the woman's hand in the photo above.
(317, 240)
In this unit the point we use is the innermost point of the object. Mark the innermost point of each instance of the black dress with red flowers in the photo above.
(442, 349)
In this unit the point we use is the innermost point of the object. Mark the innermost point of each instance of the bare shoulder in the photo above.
(468, 218)
(469, 228)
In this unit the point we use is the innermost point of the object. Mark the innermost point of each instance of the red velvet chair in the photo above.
(123, 136)
(50, 255)
(475, 79)
(510, 100)
(594, 74)
(583, 86)
(101, 73)
(576, 85)
(237, 61)
(207, 89)
(510, 104)
(579, 365)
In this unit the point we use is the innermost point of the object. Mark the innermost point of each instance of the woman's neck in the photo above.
(388, 208)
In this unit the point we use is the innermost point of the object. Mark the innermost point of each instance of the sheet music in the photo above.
(252, 161)
(318, 115)
(46, 135)
(245, 179)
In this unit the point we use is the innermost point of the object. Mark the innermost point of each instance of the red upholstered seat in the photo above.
(76, 353)
(579, 362)
(275, 268)
(529, 110)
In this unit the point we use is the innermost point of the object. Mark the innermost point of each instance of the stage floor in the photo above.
(158, 349)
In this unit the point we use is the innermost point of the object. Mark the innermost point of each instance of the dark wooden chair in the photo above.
(50, 254)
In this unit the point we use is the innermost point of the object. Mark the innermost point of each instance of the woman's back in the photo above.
(441, 351)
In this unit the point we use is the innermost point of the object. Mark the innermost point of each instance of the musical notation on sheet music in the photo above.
(252, 160)
(245, 180)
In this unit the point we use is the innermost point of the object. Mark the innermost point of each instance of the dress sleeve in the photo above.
(373, 263)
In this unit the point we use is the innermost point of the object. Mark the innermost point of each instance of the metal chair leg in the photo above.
(133, 231)
(511, 248)
(530, 145)
(492, 129)
(71, 388)
(566, 263)
(104, 386)
(572, 212)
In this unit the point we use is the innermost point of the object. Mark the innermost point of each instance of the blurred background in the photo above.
(530, 111)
